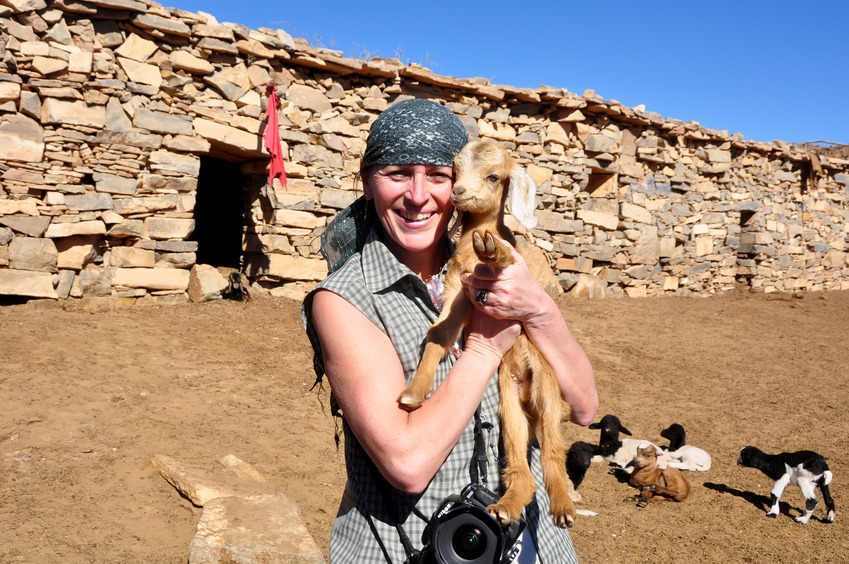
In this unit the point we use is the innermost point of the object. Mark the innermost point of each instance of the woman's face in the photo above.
(413, 203)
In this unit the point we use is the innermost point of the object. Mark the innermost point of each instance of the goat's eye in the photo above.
(492, 178)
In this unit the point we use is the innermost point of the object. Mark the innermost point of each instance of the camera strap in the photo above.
(477, 468)
(477, 472)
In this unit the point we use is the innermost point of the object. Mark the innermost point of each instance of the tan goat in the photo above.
(653, 483)
(530, 398)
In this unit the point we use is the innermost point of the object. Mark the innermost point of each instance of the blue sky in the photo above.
(768, 69)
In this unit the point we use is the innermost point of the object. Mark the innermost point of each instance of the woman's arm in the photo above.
(366, 377)
(514, 293)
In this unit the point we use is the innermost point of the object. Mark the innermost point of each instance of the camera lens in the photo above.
(469, 542)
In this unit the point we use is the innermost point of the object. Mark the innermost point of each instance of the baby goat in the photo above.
(613, 450)
(681, 455)
(805, 468)
(653, 483)
(529, 393)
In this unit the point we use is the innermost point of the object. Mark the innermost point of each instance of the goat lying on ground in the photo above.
(613, 450)
(578, 460)
(681, 455)
(805, 468)
(656, 484)
(529, 393)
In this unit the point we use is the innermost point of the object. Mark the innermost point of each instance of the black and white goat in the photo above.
(613, 450)
(679, 454)
(578, 460)
(805, 468)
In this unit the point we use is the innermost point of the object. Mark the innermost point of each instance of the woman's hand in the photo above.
(511, 292)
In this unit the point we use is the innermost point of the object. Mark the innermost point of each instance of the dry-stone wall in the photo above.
(124, 125)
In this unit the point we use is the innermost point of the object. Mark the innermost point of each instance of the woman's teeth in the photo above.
(414, 216)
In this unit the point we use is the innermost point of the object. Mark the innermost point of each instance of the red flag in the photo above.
(272, 138)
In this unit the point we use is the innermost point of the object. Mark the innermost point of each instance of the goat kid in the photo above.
(681, 455)
(654, 483)
(530, 396)
(805, 468)
(613, 450)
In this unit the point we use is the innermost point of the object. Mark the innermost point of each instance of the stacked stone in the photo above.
(108, 106)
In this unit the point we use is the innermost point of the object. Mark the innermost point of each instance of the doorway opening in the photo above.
(219, 213)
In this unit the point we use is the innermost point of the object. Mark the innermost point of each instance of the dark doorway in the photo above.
(219, 213)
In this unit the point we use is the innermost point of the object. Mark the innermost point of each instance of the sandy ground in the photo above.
(86, 397)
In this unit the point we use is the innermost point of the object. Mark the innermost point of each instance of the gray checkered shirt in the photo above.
(398, 302)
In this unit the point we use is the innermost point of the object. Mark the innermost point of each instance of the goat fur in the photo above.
(654, 483)
(530, 397)
(805, 468)
(681, 455)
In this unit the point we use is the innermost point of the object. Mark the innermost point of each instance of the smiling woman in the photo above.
(367, 322)
(413, 203)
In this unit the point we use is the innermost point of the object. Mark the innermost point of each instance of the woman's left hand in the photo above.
(511, 292)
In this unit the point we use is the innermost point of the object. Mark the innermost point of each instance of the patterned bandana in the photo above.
(415, 131)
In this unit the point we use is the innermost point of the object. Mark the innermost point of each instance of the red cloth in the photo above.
(272, 138)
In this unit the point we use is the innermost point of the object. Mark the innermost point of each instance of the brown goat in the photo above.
(656, 484)
(530, 397)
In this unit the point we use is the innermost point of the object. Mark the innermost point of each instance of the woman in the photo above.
(368, 322)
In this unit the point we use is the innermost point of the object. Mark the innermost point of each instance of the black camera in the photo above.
(461, 531)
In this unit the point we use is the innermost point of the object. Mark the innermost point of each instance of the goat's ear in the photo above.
(523, 192)
(593, 426)
(626, 431)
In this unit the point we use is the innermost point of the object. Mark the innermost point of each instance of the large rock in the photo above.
(151, 278)
(22, 138)
(259, 528)
(287, 267)
(55, 111)
(26, 283)
(29, 253)
(205, 283)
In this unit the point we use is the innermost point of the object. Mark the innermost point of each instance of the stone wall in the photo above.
(117, 118)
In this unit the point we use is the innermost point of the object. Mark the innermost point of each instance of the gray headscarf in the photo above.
(414, 131)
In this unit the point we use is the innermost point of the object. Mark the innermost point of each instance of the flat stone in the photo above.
(183, 60)
(55, 230)
(55, 111)
(75, 252)
(161, 122)
(169, 227)
(131, 257)
(137, 48)
(22, 138)
(260, 528)
(88, 202)
(34, 226)
(151, 278)
(30, 253)
(26, 283)
(287, 267)
(141, 73)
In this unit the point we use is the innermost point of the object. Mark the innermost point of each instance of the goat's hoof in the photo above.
(642, 503)
(772, 515)
(502, 514)
(564, 521)
(409, 401)
(649, 488)
(484, 244)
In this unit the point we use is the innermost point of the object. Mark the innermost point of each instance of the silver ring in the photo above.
(480, 297)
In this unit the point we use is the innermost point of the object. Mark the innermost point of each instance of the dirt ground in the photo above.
(86, 397)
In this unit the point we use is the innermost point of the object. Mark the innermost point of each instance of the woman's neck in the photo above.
(425, 264)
